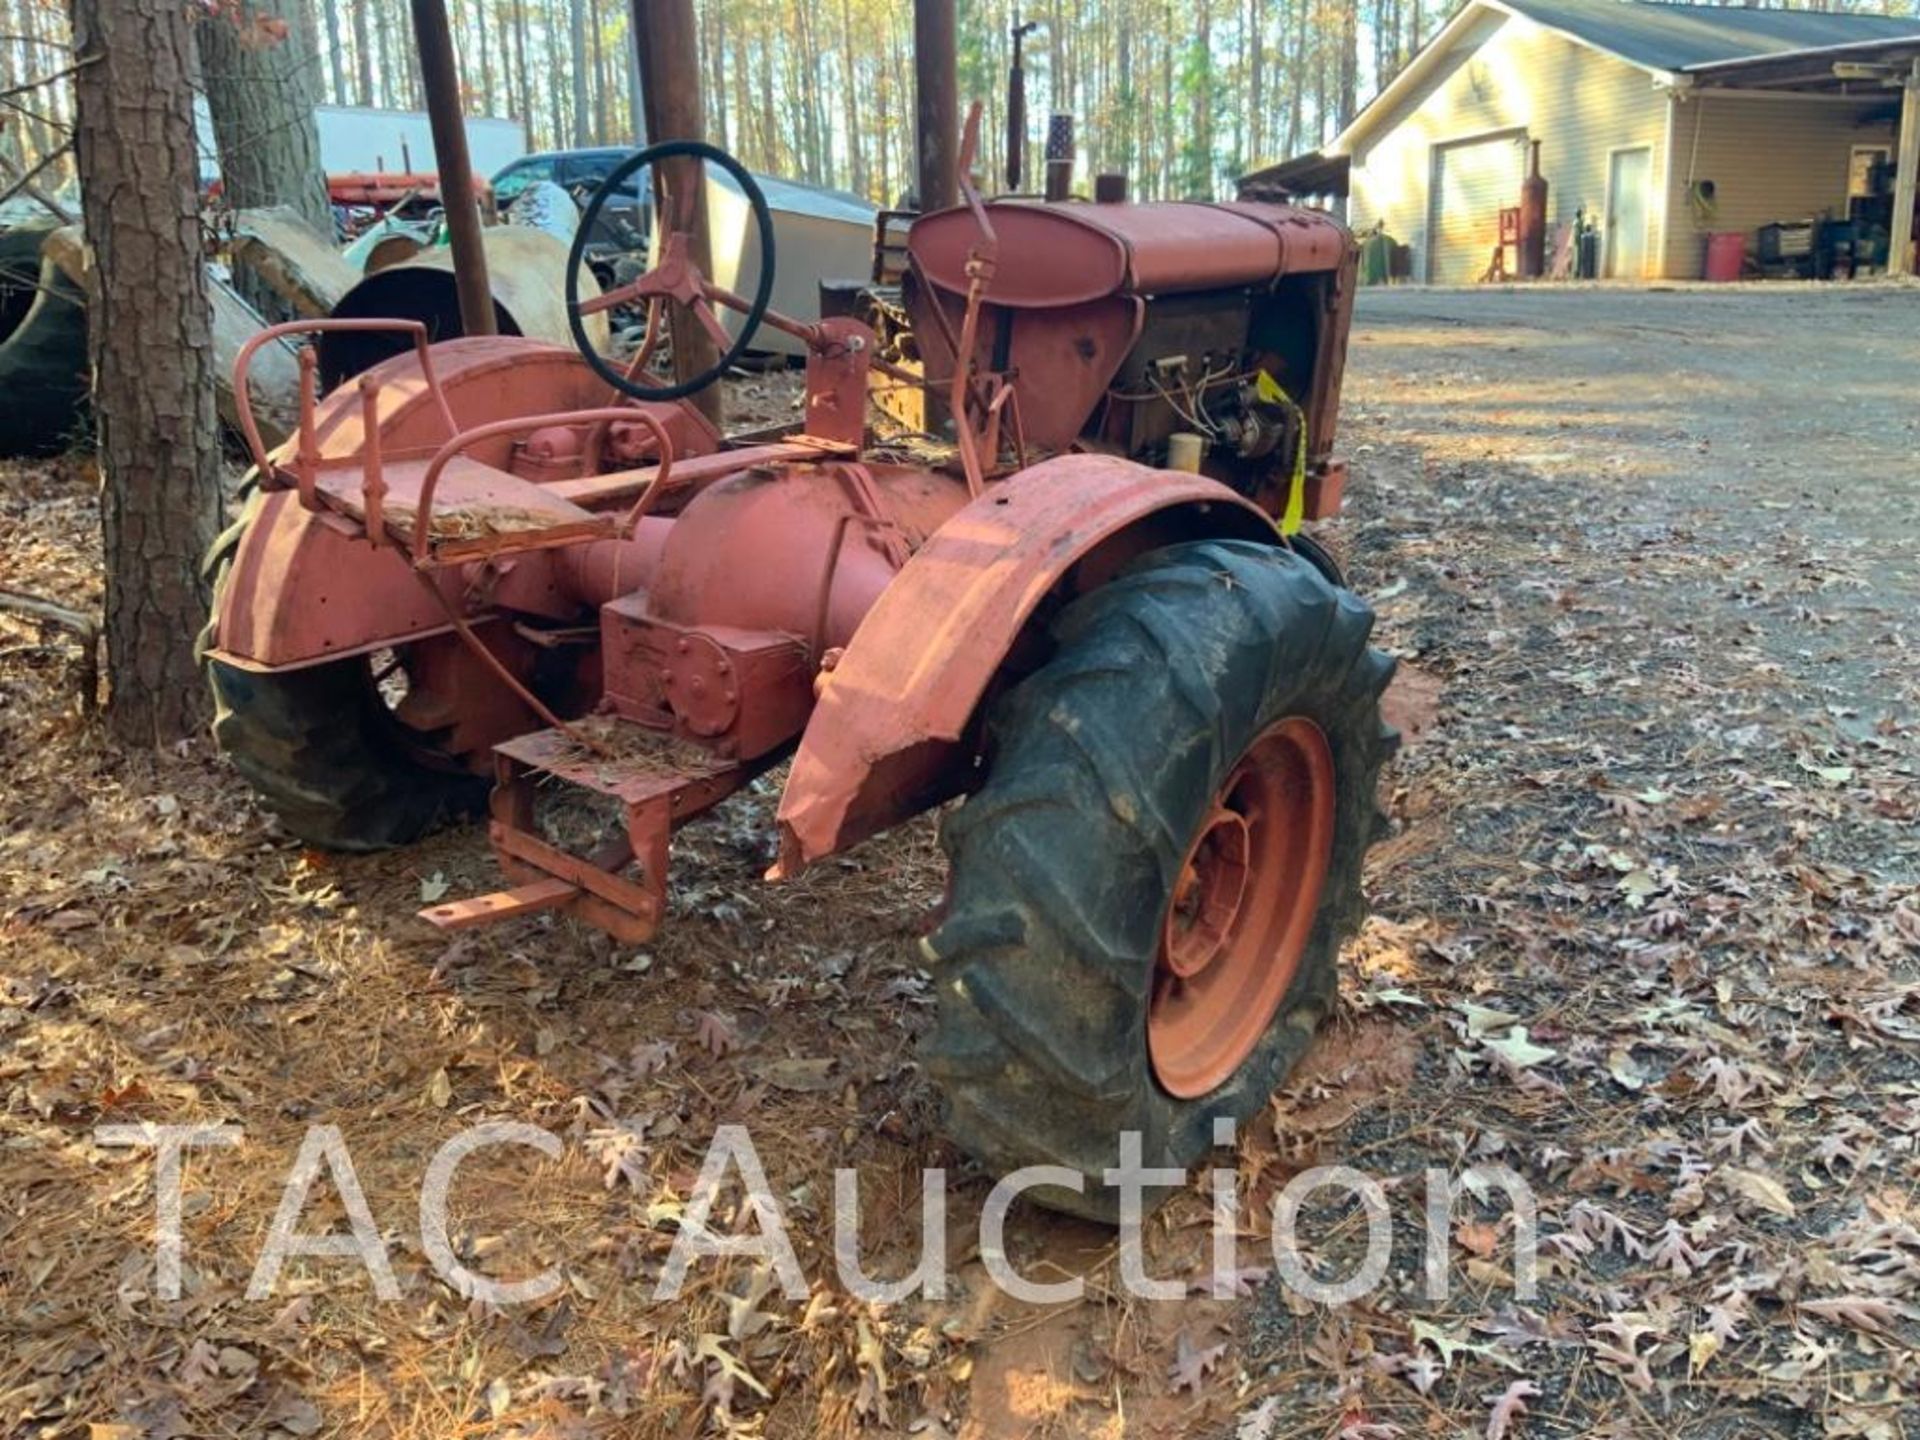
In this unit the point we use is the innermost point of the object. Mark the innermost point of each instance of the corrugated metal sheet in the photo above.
(1769, 159)
(1510, 74)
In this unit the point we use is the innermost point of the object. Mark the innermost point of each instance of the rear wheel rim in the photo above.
(1243, 909)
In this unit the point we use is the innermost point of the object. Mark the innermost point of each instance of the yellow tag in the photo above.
(1268, 389)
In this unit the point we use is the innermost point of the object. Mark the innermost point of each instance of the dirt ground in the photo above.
(1647, 933)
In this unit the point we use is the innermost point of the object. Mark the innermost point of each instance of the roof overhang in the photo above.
(1810, 70)
(1314, 173)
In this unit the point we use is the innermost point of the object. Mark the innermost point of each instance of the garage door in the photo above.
(1473, 181)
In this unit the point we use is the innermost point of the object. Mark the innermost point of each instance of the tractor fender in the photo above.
(887, 737)
(304, 590)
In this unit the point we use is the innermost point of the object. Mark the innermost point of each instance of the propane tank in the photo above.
(1533, 220)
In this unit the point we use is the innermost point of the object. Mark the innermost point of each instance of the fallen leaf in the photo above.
(717, 1032)
(1483, 1019)
(711, 1348)
(802, 1077)
(1477, 1238)
(1190, 1365)
(1508, 1406)
(1875, 1314)
(1762, 1189)
(1702, 1346)
(651, 1056)
(1625, 1071)
(1517, 1050)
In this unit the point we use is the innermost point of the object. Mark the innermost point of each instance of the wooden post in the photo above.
(440, 77)
(1906, 170)
(936, 103)
(669, 53)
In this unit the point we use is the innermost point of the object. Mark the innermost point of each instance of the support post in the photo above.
(1906, 171)
(669, 50)
(936, 103)
(440, 78)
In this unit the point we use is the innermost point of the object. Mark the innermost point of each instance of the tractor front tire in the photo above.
(320, 746)
(1150, 890)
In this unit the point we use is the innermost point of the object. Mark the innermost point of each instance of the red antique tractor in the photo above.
(493, 572)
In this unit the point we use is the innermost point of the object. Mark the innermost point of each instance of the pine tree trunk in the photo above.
(336, 55)
(261, 98)
(1167, 140)
(601, 129)
(526, 115)
(577, 44)
(556, 112)
(363, 50)
(776, 155)
(713, 76)
(636, 97)
(150, 340)
(384, 67)
(1297, 80)
(1256, 82)
(753, 154)
(856, 159)
(1349, 62)
(486, 59)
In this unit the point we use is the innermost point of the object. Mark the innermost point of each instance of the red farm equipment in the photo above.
(494, 573)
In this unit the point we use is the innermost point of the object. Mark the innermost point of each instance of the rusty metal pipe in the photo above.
(440, 78)
(1017, 105)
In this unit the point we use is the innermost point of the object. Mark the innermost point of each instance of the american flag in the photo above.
(1060, 136)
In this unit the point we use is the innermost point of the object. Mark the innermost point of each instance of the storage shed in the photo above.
(1658, 124)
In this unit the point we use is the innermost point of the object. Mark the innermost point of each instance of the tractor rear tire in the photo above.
(320, 746)
(1082, 869)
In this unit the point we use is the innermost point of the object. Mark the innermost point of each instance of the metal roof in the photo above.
(1670, 41)
(1677, 37)
(1310, 174)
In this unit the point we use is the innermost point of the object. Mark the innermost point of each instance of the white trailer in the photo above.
(357, 139)
(361, 138)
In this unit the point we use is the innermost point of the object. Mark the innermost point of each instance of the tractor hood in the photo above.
(1073, 253)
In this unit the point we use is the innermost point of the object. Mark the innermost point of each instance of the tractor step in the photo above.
(657, 780)
(529, 899)
(620, 759)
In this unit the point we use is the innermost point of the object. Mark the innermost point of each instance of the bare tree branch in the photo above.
(41, 82)
(25, 182)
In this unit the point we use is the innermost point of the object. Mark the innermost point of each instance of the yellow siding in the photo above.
(1769, 159)
(1508, 73)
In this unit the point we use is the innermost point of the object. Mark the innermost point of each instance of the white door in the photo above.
(1472, 182)
(1629, 204)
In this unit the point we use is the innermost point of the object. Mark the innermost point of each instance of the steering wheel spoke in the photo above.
(710, 322)
(620, 295)
(674, 278)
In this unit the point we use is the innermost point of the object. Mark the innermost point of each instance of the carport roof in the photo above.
(1678, 37)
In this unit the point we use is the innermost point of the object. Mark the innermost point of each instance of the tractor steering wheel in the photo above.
(673, 277)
